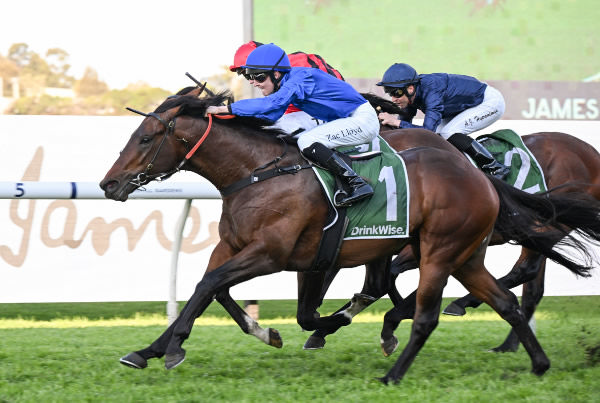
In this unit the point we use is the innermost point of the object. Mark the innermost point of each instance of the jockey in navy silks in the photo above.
(454, 106)
(351, 120)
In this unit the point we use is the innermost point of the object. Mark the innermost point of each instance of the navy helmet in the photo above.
(267, 57)
(399, 75)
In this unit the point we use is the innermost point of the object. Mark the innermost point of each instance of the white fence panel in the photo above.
(53, 248)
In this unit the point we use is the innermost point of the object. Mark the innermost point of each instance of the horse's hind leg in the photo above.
(428, 301)
(483, 286)
(525, 269)
(533, 291)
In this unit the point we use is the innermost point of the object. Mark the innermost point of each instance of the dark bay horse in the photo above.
(276, 224)
(569, 164)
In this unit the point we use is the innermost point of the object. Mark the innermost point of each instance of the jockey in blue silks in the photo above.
(351, 120)
(454, 106)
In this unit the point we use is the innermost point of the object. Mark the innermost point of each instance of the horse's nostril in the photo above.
(109, 186)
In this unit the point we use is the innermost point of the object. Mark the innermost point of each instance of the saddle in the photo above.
(508, 148)
(383, 215)
(337, 219)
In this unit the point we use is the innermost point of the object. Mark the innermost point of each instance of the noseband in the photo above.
(145, 177)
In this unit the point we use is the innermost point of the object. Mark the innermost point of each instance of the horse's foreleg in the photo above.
(251, 262)
(525, 269)
(317, 339)
(377, 284)
(405, 261)
(533, 291)
(403, 309)
(139, 359)
(310, 285)
(246, 323)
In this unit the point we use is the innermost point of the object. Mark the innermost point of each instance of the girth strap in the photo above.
(261, 176)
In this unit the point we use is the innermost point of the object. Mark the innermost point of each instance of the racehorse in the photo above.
(276, 224)
(568, 163)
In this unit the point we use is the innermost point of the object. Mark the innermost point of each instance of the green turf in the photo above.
(585, 306)
(548, 40)
(223, 365)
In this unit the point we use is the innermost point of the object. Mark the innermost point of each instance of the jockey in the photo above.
(351, 120)
(294, 120)
(454, 106)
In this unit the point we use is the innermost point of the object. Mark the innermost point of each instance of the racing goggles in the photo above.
(258, 77)
(394, 91)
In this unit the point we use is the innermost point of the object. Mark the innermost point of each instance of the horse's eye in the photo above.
(145, 140)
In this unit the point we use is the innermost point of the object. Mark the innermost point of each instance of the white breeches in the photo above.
(297, 121)
(475, 118)
(360, 127)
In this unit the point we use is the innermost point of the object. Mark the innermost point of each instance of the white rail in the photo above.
(91, 190)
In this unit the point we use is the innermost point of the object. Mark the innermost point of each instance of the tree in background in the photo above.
(34, 72)
(90, 84)
(92, 95)
(58, 62)
(33, 69)
(8, 71)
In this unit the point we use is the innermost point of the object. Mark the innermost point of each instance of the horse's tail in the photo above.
(542, 221)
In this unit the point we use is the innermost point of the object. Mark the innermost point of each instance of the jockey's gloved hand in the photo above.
(389, 119)
(214, 110)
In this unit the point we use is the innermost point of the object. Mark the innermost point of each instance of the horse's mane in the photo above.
(196, 107)
(385, 105)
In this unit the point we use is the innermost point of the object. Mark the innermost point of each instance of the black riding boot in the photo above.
(480, 155)
(334, 163)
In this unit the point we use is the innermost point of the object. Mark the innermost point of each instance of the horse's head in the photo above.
(157, 148)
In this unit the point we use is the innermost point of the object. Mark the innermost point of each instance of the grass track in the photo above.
(80, 363)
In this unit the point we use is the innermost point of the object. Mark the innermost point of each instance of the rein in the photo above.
(144, 177)
(208, 127)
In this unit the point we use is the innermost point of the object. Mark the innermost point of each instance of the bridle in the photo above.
(145, 177)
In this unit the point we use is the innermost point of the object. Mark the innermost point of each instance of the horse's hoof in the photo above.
(505, 349)
(134, 360)
(275, 338)
(314, 343)
(541, 369)
(389, 346)
(383, 379)
(173, 360)
(454, 309)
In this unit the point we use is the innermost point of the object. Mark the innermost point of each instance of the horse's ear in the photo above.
(197, 91)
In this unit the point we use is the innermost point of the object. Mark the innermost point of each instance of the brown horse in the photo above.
(569, 164)
(276, 224)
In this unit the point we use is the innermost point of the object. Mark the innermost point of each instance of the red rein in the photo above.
(210, 116)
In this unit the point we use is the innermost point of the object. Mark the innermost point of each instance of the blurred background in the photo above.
(56, 59)
(69, 69)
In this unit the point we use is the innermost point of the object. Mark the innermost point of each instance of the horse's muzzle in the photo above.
(113, 190)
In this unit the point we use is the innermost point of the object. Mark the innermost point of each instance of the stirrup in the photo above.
(358, 194)
(497, 170)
